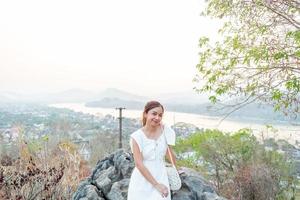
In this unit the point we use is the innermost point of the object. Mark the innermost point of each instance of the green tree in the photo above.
(258, 57)
(239, 166)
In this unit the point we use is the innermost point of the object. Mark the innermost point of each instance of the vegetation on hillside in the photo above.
(45, 168)
(240, 166)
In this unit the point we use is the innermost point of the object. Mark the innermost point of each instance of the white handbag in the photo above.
(173, 176)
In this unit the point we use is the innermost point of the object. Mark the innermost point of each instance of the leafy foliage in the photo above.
(258, 57)
(239, 166)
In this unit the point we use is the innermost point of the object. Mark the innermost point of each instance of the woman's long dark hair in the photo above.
(150, 105)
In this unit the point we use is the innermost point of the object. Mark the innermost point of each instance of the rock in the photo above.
(110, 179)
(86, 191)
(194, 186)
(119, 190)
(103, 179)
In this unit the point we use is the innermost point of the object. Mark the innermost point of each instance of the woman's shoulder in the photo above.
(170, 134)
(136, 133)
(168, 128)
(136, 136)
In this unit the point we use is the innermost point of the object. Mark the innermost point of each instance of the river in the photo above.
(283, 131)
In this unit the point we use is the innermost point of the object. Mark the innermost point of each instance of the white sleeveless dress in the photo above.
(153, 152)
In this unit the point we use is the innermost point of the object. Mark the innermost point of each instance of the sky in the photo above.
(140, 46)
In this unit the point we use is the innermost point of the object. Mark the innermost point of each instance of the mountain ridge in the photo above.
(77, 95)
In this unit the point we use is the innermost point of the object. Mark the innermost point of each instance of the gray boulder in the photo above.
(110, 179)
(194, 186)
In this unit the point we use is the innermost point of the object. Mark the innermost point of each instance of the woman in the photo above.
(149, 180)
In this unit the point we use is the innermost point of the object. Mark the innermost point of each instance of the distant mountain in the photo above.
(262, 113)
(188, 102)
(13, 97)
(78, 95)
(71, 96)
(181, 101)
(257, 111)
(67, 96)
(116, 102)
(7, 97)
(184, 97)
(116, 93)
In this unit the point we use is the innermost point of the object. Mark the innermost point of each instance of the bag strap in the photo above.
(171, 157)
(168, 149)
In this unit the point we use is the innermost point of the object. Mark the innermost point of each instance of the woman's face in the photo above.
(154, 116)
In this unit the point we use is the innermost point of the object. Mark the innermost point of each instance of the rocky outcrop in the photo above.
(110, 179)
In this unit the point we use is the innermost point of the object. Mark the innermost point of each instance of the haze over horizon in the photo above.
(141, 47)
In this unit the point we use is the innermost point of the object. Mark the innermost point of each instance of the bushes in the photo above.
(43, 170)
(32, 182)
(102, 145)
(256, 182)
(239, 166)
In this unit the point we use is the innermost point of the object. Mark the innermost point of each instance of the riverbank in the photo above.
(280, 130)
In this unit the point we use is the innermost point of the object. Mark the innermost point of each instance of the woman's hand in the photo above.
(162, 189)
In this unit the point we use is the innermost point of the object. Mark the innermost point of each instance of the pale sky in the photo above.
(143, 47)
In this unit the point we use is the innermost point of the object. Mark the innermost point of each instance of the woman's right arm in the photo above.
(138, 160)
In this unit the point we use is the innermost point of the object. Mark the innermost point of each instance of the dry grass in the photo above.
(48, 172)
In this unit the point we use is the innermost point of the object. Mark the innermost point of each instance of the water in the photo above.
(283, 131)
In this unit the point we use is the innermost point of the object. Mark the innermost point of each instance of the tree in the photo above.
(103, 144)
(239, 165)
(258, 57)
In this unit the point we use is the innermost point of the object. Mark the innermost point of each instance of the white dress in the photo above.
(153, 152)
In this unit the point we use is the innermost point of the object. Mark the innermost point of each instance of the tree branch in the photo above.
(291, 21)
